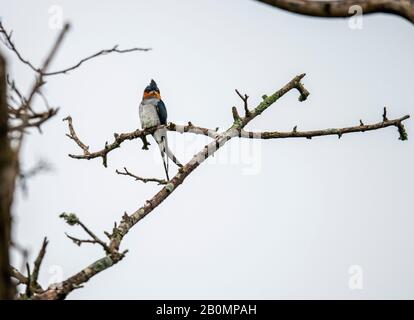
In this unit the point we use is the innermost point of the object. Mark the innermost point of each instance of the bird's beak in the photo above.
(155, 94)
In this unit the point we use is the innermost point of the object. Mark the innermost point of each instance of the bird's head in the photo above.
(152, 91)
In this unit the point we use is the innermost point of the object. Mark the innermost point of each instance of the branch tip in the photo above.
(70, 218)
(236, 116)
(403, 133)
(384, 115)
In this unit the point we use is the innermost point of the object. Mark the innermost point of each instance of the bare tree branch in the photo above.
(72, 135)
(99, 53)
(35, 120)
(190, 128)
(20, 109)
(327, 132)
(16, 116)
(9, 170)
(120, 138)
(39, 82)
(236, 130)
(18, 276)
(137, 178)
(341, 8)
(72, 220)
(128, 221)
(245, 103)
(30, 281)
(38, 263)
(28, 292)
(7, 41)
(24, 113)
(79, 242)
(62, 289)
(16, 91)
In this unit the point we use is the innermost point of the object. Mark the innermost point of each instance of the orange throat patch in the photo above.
(152, 94)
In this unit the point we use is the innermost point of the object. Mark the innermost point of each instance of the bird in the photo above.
(152, 113)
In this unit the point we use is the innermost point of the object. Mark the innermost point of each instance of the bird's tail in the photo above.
(160, 137)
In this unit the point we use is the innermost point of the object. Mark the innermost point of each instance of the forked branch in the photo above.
(17, 116)
(73, 220)
(137, 134)
(113, 255)
(8, 42)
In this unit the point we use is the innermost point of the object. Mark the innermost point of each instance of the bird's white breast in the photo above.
(148, 114)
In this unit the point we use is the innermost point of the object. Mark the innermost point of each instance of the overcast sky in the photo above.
(260, 220)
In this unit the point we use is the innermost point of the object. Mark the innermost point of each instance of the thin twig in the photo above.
(97, 54)
(245, 103)
(137, 178)
(72, 220)
(13, 88)
(29, 281)
(325, 132)
(74, 136)
(94, 237)
(42, 71)
(38, 263)
(78, 241)
(39, 82)
(35, 120)
(9, 44)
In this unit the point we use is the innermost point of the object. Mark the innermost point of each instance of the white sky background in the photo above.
(311, 208)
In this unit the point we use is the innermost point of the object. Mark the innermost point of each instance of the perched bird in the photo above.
(152, 113)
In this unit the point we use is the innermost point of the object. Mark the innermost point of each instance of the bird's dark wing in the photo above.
(162, 112)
